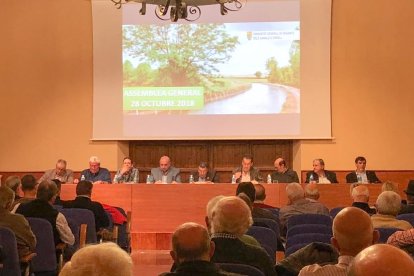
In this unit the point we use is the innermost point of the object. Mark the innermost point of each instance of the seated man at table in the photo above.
(388, 205)
(26, 240)
(127, 174)
(59, 172)
(42, 207)
(247, 173)
(319, 174)
(204, 174)
(95, 173)
(283, 174)
(83, 201)
(231, 219)
(360, 175)
(165, 173)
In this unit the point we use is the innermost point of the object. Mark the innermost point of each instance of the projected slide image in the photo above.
(228, 68)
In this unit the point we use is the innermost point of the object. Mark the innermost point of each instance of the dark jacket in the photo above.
(371, 176)
(201, 268)
(330, 175)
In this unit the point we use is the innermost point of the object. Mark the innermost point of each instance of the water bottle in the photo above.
(269, 179)
(311, 179)
(359, 178)
(148, 179)
(233, 179)
(83, 177)
(191, 180)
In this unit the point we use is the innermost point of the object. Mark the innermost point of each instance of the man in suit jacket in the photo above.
(83, 201)
(165, 173)
(247, 173)
(364, 176)
(319, 174)
(60, 172)
(204, 174)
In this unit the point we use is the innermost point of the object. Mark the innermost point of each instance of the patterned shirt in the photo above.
(340, 269)
(402, 238)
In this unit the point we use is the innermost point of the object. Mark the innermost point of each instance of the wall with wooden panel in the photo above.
(223, 156)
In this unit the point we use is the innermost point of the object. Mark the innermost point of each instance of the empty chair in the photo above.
(83, 216)
(241, 269)
(306, 239)
(385, 233)
(266, 237)
(45, 260)
(334, 211)
(309, 219)
(10, 260)
(309, 228)
(407, 217)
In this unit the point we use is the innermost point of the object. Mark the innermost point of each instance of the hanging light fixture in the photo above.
(182, 9)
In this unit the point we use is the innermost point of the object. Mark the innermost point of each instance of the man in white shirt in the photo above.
(352, 232)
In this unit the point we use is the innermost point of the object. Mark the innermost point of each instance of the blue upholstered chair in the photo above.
(10, 257)
(305, 239)
(309, 219)
(334, 211)
(385, 233)
(82, 216)
(240, 269)
(407, 217)
(267, 239)
(309, 228)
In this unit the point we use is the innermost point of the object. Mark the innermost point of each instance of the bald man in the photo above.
(230, 220)
(352, 232)
(192, 250)
(165, 173)
(382, 259)
(282, 173)
(360, 197)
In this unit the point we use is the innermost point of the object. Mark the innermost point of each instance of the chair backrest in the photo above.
(407, 217)
(45, 259)
(241, 269)
(309, 228)
(309, 219)
(307, 238)
(266, 237)
(334, 211)
(269, 223)
(275, 211)
(10, 260)
(83, 216)
(385, 233)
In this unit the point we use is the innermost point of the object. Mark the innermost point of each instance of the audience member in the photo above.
(165, 173)
(41, 207)
(360, 175)
(390, 186)
(59, 172)
(83, 201)
(247, 173)
(352, 232)
(29, 188)
(406, 208)
(26, 240)
(14, 183)
(283, 174)
(249, 189)
(319, 174)
(312, 192)
(58, 201)
(209, 216)
(204, 174)
(127, 174)
(260, 197)
(105, 259)
(95, 174)
(382, 259)
(192, 250)
(298, 204)
(403, 240)
(360, 197)
(388, 206)
(231, 219)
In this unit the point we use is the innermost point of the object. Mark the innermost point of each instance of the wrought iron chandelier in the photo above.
(182, 9)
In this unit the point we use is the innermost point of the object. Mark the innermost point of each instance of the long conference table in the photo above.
(157, 209)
